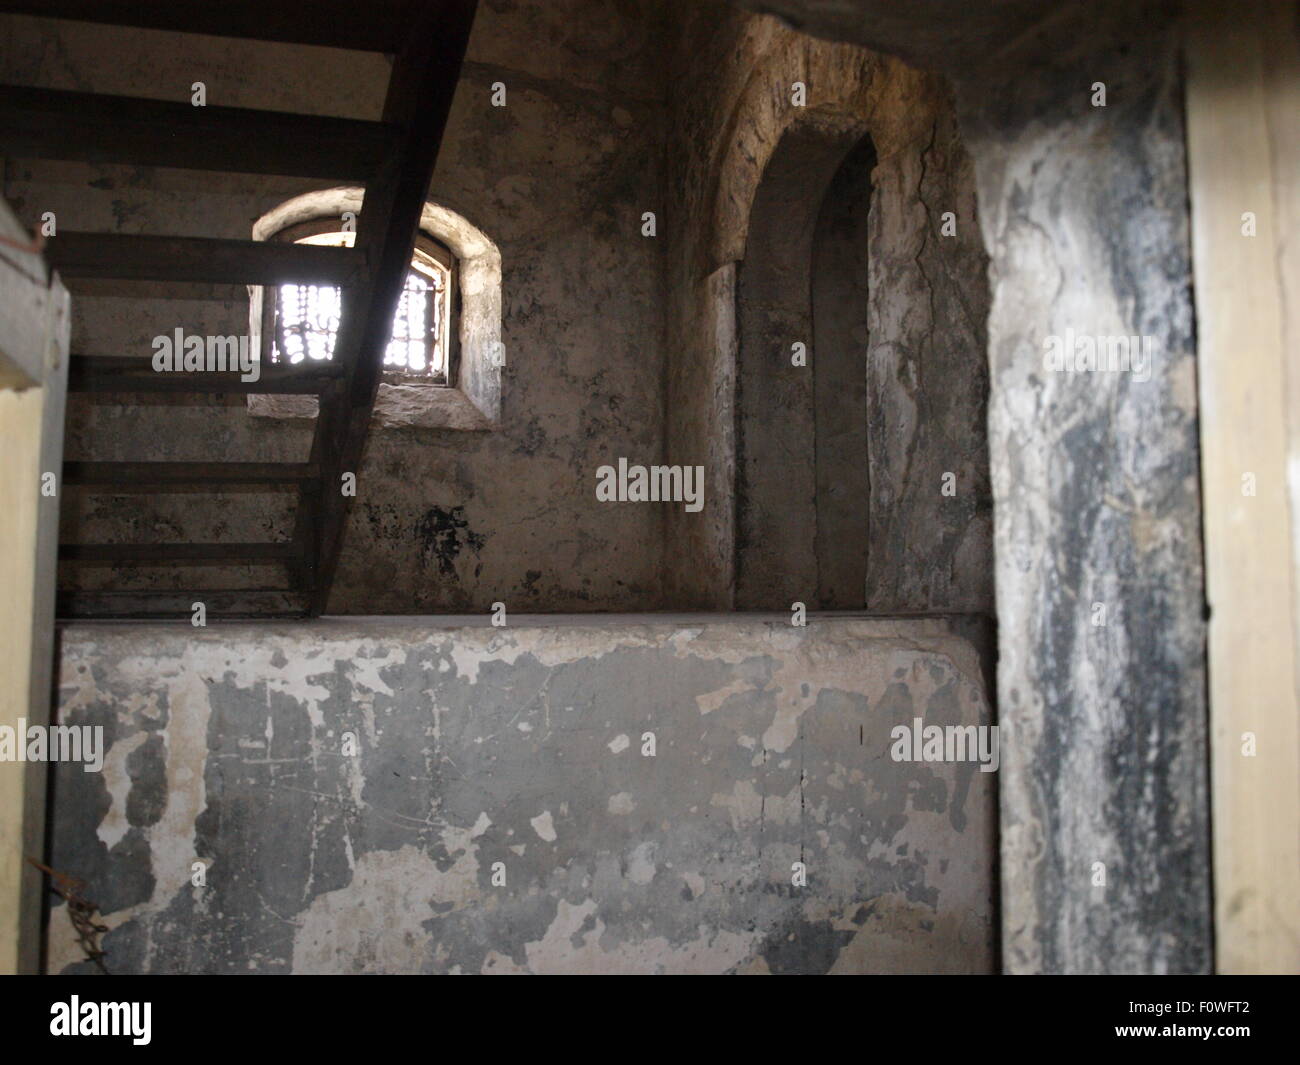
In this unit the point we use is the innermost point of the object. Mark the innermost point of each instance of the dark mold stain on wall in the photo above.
(442, 534)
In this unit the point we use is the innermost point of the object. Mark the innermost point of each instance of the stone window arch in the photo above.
(458, 386)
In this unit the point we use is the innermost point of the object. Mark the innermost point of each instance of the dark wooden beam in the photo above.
(145, 258)
(373, 26)
(419, 98)
(306, 538)
(188, 474)
(203, 553)
(85, 127)
(108, 374)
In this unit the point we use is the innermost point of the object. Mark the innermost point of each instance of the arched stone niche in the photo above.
(902, 523)
(801, 326)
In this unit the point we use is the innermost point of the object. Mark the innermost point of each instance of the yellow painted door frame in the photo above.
(1243, 137)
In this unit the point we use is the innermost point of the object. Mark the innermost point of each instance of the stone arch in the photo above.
(849, 90)
(474, 400)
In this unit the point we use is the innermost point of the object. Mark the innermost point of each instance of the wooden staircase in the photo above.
(394, 159)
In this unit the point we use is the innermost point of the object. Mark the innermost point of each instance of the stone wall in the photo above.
(558, 178)
(635, 112)
(499, 812)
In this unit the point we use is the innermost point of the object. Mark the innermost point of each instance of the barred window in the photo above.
(302, 320)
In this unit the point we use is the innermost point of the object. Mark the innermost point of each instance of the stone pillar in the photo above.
(1100, 599)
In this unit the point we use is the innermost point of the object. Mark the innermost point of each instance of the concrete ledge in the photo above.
(432, 795)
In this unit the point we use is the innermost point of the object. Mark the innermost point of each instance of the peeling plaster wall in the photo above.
(734, 401)
(523, 746)
(559, 178)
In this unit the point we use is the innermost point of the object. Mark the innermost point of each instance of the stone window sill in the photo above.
(398, 406)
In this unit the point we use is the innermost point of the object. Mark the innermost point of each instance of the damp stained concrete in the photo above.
(435, 795)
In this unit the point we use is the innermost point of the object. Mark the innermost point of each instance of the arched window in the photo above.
(443, 367)
(301, 321)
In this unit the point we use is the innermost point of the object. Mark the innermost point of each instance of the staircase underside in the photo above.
(393, 157)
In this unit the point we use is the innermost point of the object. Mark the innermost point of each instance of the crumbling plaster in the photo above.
(525, 746)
